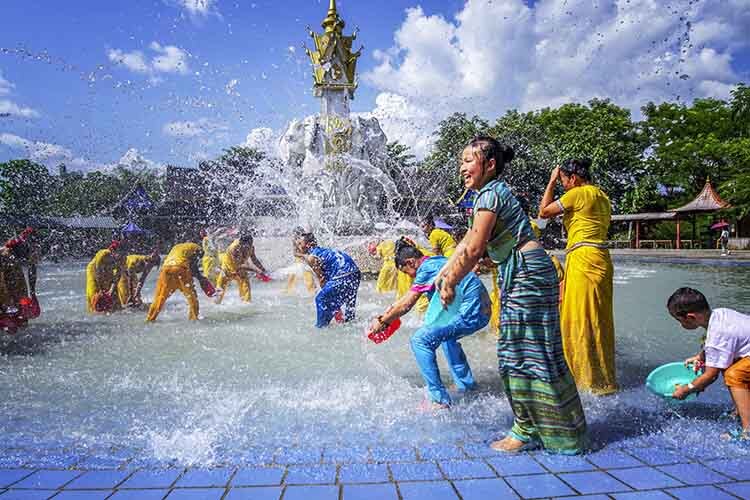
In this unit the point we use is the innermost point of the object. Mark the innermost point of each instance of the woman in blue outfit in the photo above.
(473, 315)
(338, 274)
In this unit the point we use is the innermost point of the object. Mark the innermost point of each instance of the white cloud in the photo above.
(200, 127)
(196, 7)
(171, 59)
(52, 155)
(9, 108)
(404, 120)
(494, 56)
(165, 59)
(5, 86)
(264, 140)
(42, 152)
(133, 159)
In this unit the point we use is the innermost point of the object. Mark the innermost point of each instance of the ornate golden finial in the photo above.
(333, 22)
(333, 60)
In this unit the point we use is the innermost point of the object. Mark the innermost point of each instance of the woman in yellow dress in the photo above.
(236, 264)
(136, 270)
(586, 315)
(441, 240)
(388, 275)
(180, 267)
(103, 273)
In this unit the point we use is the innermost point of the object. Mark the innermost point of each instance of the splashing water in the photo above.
(259, 376)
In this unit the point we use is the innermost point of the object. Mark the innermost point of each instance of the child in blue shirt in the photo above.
(338, 274)
(473, 315)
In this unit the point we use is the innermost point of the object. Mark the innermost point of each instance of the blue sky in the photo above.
(173, 81)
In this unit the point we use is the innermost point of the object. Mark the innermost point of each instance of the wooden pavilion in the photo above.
(707, 201)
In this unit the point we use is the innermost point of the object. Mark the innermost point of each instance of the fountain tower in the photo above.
(338, 160)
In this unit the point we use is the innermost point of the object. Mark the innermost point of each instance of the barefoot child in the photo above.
(726, 350)
(338, 274)
(474, 314)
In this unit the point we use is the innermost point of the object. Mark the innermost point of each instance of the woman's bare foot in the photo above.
(432, 406)
(508, 444)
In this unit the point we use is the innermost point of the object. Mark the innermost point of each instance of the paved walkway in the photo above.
(698, 257)
(468, 472)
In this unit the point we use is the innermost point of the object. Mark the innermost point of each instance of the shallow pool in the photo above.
(249, 378)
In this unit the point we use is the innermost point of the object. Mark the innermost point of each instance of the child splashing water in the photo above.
(726, 350)
(339, 277)
(474, 314)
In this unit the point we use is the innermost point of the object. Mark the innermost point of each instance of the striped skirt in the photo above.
(539, 385)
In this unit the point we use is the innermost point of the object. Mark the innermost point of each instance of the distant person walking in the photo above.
(586, 315)
(724, 241)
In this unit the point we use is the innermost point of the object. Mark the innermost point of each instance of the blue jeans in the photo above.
(336, 293)
(425, 342)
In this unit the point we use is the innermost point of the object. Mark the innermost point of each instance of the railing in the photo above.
(656, 244)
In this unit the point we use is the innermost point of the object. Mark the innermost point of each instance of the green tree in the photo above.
(450, 138)
(229, 177)
(736, 189)
(687, 143)
(25, 187)
(601, 131)
(740, 106)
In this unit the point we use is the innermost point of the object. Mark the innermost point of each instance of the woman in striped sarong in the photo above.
(541, 391)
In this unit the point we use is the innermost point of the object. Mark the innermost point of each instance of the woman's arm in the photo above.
(396, 310)
(548, 207)
(256, 262)
(467, 254)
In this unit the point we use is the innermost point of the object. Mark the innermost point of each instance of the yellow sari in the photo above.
(586, 315)
(388, 275)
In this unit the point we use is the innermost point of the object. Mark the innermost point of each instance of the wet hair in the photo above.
(687, 300)
(406, 249)
(490, 148)
(579, 166)
(246, 239)
(300, 233)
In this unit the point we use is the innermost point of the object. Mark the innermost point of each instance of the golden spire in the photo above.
(333, 60)
(333, 22)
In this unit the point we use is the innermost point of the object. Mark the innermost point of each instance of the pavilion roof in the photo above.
(707, 200)
(644, 216)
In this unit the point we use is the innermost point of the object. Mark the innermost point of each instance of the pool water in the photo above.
(250, 379)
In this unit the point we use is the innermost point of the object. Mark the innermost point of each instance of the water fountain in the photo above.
(337, 160)
(255, 387)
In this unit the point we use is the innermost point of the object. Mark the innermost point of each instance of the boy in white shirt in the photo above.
(726, 349)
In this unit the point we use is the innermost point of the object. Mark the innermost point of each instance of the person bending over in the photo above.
(473, 315)
(338, 274)
(726, 350)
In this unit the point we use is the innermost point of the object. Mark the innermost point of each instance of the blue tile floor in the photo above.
(459, 472)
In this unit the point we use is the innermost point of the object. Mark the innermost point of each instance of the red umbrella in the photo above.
(720, 225)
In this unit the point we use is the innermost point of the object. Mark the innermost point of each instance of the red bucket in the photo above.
(385, 333)
(29, 307)
(208, 288)
(103, 302)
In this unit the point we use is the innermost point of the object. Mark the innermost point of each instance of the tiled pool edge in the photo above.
(434, 473)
